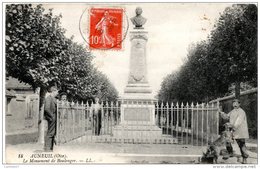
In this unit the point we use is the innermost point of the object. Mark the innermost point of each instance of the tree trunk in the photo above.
(41, 116)
(237, 90)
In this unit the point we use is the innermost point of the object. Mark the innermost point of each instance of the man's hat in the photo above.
(63, 93)
(52, 88)
(236, 100)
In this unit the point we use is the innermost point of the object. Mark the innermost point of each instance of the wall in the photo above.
(21, 120)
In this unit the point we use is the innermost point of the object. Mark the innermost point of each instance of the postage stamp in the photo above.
(105, 28)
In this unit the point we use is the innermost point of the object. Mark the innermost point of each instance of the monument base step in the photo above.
(112, 139)
(139, 127)
(137, 131)
(137, 89)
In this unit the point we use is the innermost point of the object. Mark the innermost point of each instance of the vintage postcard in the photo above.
(130, 83)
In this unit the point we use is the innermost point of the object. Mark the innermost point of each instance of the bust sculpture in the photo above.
(138, 20)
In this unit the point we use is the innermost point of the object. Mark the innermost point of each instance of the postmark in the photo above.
(105, 28)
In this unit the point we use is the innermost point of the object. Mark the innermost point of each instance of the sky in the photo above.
(172, 28)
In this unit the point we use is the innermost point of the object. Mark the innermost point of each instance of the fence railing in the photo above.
(189, 124)
(70, 121)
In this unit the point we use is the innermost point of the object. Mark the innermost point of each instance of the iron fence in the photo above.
(188, 124)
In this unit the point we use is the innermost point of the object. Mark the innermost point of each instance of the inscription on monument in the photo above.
(138, 73)
(137, 114)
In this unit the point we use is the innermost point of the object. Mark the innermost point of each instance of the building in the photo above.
(21, 112)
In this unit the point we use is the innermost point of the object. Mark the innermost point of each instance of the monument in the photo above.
(137, 102)
(137, 79)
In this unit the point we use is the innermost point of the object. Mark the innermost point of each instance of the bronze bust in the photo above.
(138, 20)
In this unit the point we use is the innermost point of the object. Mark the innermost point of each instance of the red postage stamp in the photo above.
(105, 28)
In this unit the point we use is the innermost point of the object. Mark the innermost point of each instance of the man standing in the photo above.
(238, 123)
(96, 115)
(50, 113)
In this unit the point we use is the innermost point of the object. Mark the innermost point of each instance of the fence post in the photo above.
(150, 140)
(68, 129)
(82, 118)
(107, 117)
(117, 113)
(73, 120)
(217, 118)
(99, 122)
(167, 118)
(63, 123)
(212, 123)
(177, 124)
(192, 123)
(91, 120)
(157, 114)
(58, 124)
(197, 123)
(77, 119)
(182, 105)
(112, 117)
(172, 119)
(187, 123)
(122, 128)
(66, 120)
(142, 123)
(207, 125)
(103, 119)
(161, 117)
(202, 127)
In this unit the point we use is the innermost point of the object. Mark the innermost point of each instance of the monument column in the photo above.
(137, 79)
(137, 102)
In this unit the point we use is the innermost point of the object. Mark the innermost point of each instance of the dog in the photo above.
(213, 152)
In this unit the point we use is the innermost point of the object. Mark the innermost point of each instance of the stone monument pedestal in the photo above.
(137, 118)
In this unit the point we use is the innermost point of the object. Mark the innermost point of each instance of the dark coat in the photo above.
(50, 113)
(50, 108)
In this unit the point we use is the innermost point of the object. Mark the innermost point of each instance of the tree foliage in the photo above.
(105, 90)
(233, 44)
(227, 57)
(34, 42)
(38, 53)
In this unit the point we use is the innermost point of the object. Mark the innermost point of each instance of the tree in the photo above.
(34, 43)
(165, 93)
(194, 81)
(76, 70)
(105, 89)
(227, 57)
(233, 45)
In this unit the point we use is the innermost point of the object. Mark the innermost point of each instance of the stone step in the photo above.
(111, 139)
(137, 131)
